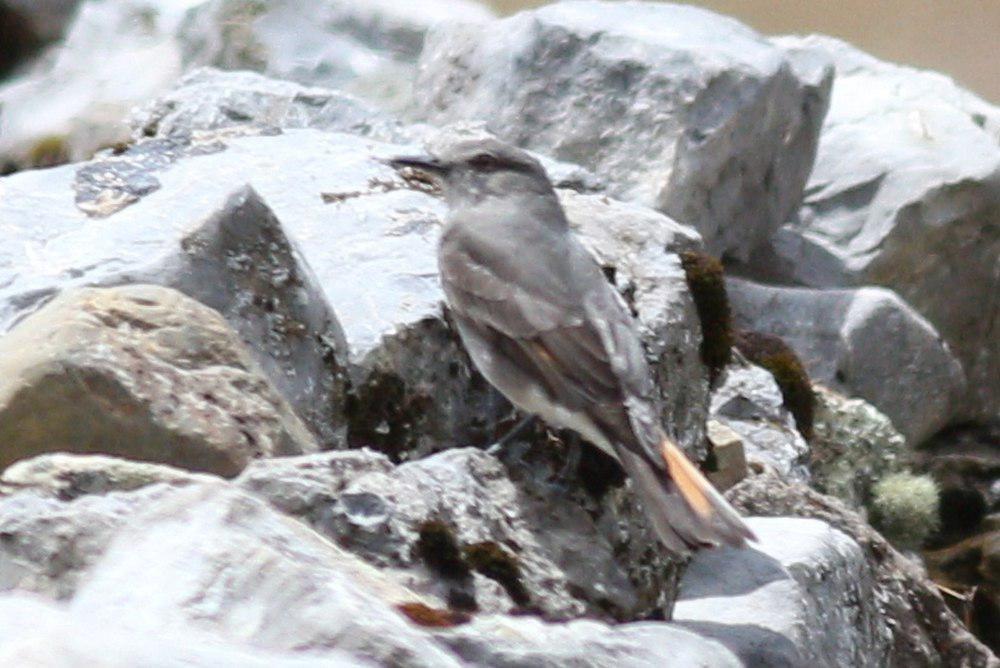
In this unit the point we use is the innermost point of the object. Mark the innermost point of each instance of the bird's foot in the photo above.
(519, 430)
(567, 473)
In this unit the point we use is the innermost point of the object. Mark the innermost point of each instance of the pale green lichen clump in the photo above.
(905, 509)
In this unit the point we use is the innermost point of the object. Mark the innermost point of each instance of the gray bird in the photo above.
(543, 325)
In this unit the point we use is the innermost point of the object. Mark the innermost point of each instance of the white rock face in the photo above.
(799, 597)
(679, 109)
(524, 641)
(57, 638)
(865, 342)
(905, 194)
(225, 563)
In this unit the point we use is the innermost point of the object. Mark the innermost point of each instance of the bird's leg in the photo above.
(516, 432)
(574, 450)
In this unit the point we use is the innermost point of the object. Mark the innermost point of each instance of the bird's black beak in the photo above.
(424, 163)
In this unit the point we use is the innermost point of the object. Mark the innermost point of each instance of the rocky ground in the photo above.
(238, 429)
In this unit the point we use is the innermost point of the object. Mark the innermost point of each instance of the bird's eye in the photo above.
(484, 162)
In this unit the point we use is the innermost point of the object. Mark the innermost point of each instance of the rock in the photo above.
(366, 48)
(308, 485)
(461, 531)
(701, 118)
(923, 630)
(47, 545)
(142, 372)
(863, 342)
(216, 559)
(905, 194)
(800, 596)
(747, 400)
(119, 54)
(728, 456)
(209, 99)
(67, 477)
(116, 55)
(855, 446)
(526, 641)
(227, 250)
(57, 638)
(411, 388)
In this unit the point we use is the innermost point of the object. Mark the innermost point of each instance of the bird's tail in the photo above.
(686, 511)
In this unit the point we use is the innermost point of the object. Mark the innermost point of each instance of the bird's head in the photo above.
(471, 170)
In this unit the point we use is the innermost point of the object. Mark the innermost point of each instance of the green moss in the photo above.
(438, 548)
(497, 564)
(424, 615)
(905, 508)
(773, 354)
(48, 152)
(707, 283)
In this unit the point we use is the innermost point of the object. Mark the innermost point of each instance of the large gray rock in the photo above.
(445, 526)
(48, 544)
(905, 194)
(228, 251)
(747, 399)
(55, 638)
(67, 477)
(142, 372)
(800, 596)
(365, 47)
(865, 342)
(121, 53)
(361, 239)
(679, 109)
(214, 558)
(308, 485)
(525, 641)
(923, 630)
(210, 99)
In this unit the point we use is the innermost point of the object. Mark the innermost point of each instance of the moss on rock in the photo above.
(772, 353)
(706, 280)
(853, 447)
(48, 152)
(497, 564)
(439, 550)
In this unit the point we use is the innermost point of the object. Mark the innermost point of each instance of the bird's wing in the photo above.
(571, 329)
(556, 318)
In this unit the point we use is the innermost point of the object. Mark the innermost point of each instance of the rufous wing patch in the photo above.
(690, 482)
